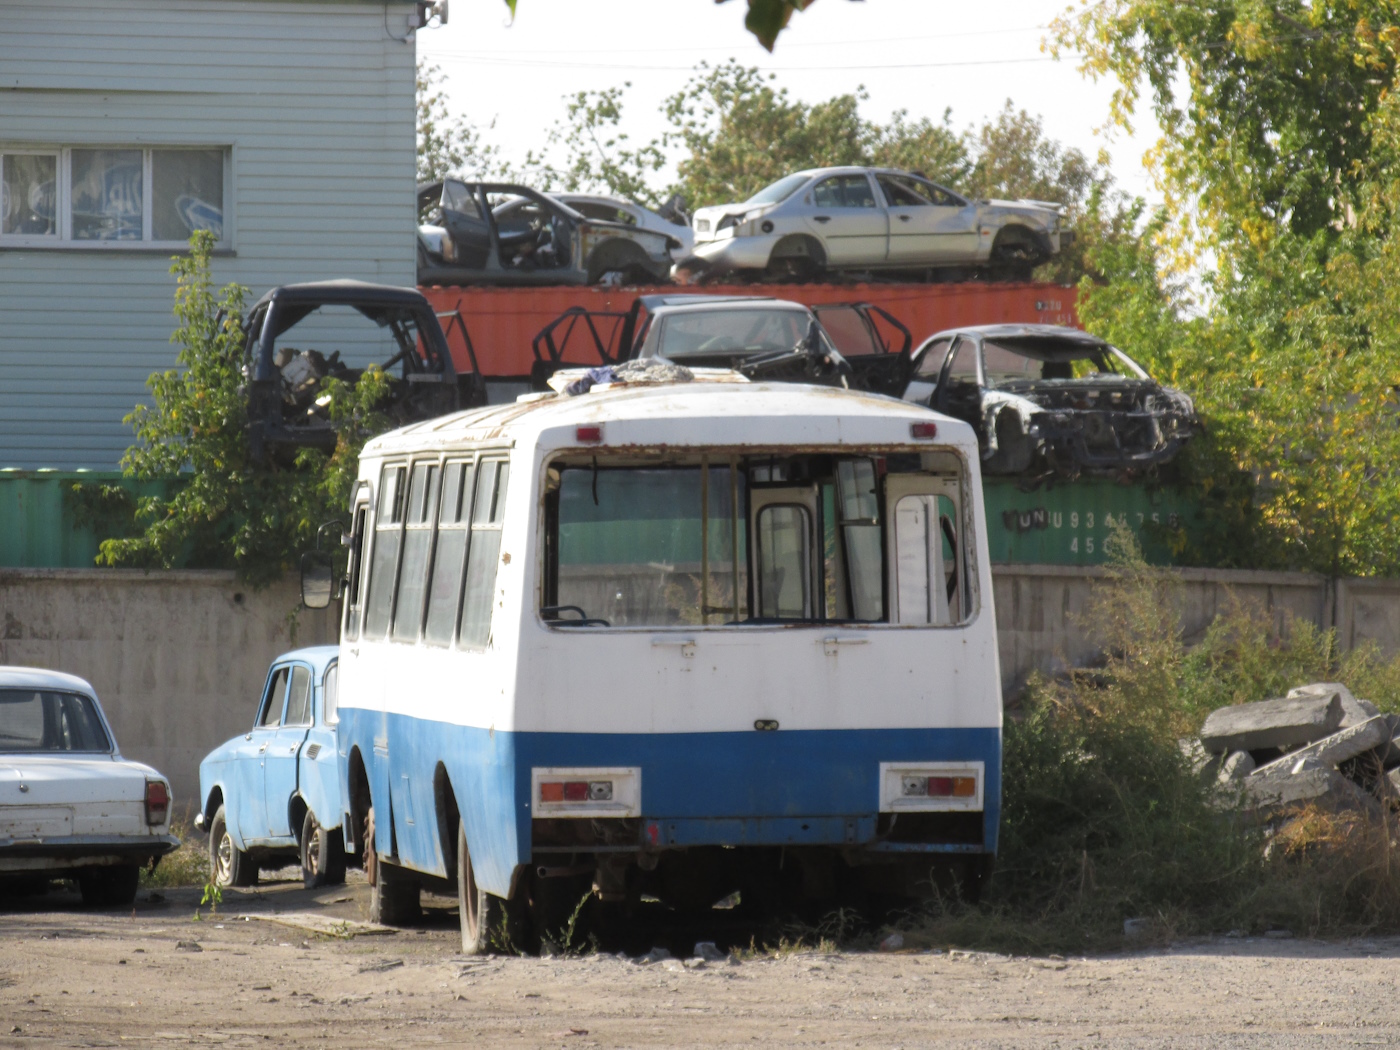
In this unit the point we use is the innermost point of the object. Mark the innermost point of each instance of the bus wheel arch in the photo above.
(359, 806)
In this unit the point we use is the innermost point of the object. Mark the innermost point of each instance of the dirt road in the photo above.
(287, 967)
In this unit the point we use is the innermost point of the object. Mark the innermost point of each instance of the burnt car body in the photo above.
(844, 344)
(505, 233)
(287, 405)
(1051, 399)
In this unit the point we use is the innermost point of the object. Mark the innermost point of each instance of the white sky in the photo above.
(919, 55)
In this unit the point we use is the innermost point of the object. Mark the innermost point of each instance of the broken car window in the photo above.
(1034, 361)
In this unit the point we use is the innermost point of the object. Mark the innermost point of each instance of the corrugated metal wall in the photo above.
(315, 100)
(503, 322)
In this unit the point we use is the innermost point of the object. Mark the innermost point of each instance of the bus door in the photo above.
(787, 581)
(928, 563)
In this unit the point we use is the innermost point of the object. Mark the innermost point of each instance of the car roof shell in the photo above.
(1023, 331)
(320, 657)
(42, 678)
(344, 292)
(663, 301)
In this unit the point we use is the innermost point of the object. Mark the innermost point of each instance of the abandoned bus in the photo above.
(677, 638)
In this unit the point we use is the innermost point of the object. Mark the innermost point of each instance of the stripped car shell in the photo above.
(1048, 398)
(505, 233)
(870, 219)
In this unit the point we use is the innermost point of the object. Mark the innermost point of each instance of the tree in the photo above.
(1273, 131)
(223, 510)
(447, 144)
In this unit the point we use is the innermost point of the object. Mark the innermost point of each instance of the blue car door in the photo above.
(280, 760)
(246, 796)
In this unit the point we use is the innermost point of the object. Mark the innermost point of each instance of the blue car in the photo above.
(272, 795)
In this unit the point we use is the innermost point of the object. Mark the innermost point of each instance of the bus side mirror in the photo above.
(317, 579)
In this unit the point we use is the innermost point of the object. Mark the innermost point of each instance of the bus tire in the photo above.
(393, 892)
(487, 921)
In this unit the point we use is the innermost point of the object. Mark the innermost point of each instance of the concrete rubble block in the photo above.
(1238, 766)
(1286, 722)
(1354, 711)
(1322, 787)
(1332, 750)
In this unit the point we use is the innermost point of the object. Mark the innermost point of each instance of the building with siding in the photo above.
(284, 126)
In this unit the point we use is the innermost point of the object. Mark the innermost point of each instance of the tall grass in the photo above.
(1105, 818)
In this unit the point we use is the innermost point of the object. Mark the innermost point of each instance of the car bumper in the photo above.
(70, 852)
(729, 253)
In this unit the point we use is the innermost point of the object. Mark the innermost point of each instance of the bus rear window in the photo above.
(752, 540)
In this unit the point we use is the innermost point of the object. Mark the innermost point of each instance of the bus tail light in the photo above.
(923, 430)
(588, 435)
(586, 792)
(931, 786)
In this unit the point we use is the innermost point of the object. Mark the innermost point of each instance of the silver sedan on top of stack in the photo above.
(858, 220)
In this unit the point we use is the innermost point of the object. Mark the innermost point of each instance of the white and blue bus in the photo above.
(678, 639)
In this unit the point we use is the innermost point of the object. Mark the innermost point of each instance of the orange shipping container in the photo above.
(503, 322)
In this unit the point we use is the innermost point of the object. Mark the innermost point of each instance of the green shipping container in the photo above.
(1072, 522)
(1056, 523)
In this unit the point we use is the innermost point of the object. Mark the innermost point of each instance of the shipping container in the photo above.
(502, 322)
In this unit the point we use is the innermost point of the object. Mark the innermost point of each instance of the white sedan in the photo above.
(70, 806)
(868, 220)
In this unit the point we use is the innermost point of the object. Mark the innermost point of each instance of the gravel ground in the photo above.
(285, 967)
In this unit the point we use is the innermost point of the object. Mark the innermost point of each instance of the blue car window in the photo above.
(271, 714)
(299, 697)
(331, 692)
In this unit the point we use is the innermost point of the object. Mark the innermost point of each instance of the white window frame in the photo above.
(63, 240)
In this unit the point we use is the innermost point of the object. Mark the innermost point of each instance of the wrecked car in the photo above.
(71, 807)
(288, 406)
(868, 220)
(757, 336)
(1051, 399)
(667, 218)
(503, 233)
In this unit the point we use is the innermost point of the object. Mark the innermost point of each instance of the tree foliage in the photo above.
(1280, 157)
(222, 509)
(447, 143)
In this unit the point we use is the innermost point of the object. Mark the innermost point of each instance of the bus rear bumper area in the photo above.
(773, 865)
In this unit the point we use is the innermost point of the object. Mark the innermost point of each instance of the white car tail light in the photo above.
(930, 787)
(157, 801)
(561, 792)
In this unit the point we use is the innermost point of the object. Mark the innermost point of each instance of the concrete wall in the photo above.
(179, 658)
(1041, 608)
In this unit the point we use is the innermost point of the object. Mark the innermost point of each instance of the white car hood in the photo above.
(62, 780)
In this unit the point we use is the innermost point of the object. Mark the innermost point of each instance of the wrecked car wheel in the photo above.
(228, 865)
(109, 886)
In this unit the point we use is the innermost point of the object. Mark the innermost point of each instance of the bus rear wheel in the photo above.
(393, 892)
(488, 921)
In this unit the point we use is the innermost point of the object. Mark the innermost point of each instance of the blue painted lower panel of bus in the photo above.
(810, 787)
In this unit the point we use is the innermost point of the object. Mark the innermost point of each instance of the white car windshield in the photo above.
(741, 332)
(1037, 360)
(39, 721)
(778, 191)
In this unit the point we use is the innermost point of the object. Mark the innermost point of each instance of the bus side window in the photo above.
(484, 553)
(449, 553)
(417, 545)
(354, 595)
(384, 560)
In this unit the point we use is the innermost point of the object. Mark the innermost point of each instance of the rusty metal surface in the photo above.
(503, 321)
